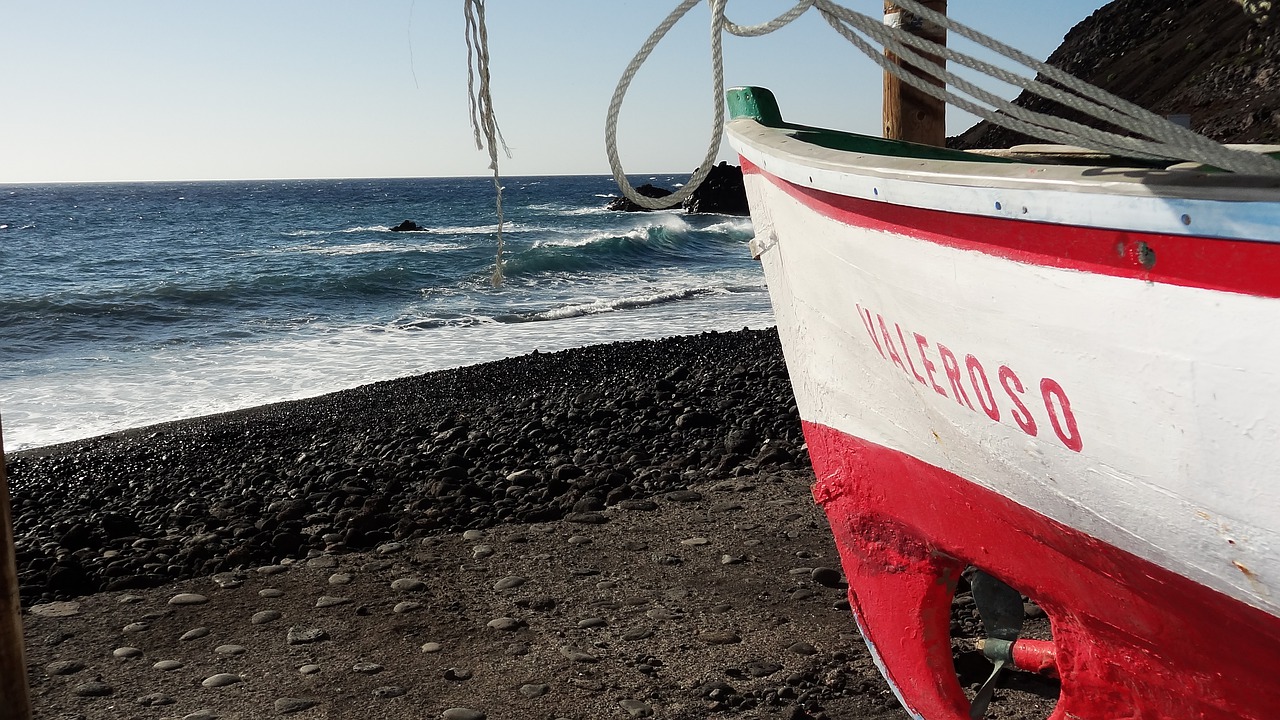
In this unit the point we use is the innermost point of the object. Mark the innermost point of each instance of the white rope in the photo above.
(484, 124)
(1167, 140)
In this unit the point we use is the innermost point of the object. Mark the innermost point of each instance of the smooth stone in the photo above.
(263, 617)
(366, 668)
(270, 592)
(406, 606)
(272, 569)
(154, 700)
(432, 647)
(123, 600)
(323, 562)
(517, 649)
(374, 566)
(167, 665)
(408, 585)
(457, 674)
(221, 680)
(340, 579)
(92, 689)
(287, 705)
(461, 713)
(731, 559)
(695, 541)
(330, 601)
(136, 627)
(801, 594)
(126, 653)
(230, 650)
(719, 637)
(389, 691)
(637, 634)
(827, 577)
(473, 535)
(305, 636)
(505, 624)
(204, 714)
(533, 690)
(481, 552)
(579, 540)
(803, 648)
(64, 667)
(511, 581)
(56, 609)
(578, 655)
(635, 708)
(391, 547)
(309, 669)
(683, 496)
(194, 634)
(641, 505)
(662, 614)
(188, 599)
(592, 622)
(586, 518)
(762, 669)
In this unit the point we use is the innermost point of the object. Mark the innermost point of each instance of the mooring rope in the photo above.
(1167, 140)
(484, 123)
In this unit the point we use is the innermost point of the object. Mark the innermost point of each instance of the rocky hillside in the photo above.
(1215, 60)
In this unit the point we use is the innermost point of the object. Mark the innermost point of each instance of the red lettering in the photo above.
(953, 373)
(888, 343)
(1050, 388)
(1024, 420)
(985, 398)
(907, 353)
(866, 320)
(928, 364)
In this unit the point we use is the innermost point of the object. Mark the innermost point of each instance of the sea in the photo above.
(124, 305)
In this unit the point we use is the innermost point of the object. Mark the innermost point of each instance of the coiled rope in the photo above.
(1165, 140)
(484, 123)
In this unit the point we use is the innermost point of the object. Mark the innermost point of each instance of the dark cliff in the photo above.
(1214, 60)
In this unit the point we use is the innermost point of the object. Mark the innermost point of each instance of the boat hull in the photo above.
(1081, 408)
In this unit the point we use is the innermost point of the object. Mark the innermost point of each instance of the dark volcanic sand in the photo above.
(650, 498)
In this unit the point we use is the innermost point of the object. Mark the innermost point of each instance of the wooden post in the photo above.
(909, 114)
(15, 697)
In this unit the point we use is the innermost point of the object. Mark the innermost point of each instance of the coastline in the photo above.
(619, 530)
(530, 438)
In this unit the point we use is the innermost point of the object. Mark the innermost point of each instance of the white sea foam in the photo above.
(109, 395)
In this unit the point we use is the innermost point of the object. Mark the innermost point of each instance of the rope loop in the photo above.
(1164, 140)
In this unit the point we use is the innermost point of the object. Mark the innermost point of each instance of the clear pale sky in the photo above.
(227, 89)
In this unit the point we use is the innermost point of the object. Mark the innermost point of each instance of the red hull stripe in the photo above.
(1251, 268)
(1132, 639)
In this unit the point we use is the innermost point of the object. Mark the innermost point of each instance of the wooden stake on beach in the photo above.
(15, 697)
(908, 113)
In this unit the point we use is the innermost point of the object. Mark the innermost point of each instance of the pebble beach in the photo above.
(620, 530)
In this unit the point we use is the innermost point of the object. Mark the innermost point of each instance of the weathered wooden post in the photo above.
(15, 697)
(910, 114)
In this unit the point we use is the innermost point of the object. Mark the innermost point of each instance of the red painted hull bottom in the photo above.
(1133, 640)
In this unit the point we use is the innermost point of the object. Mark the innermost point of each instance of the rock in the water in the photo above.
(646, 190)
(408, 226)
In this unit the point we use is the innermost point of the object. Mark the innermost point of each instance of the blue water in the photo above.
(122, 305)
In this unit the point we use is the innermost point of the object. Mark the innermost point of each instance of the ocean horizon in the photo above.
(129, 304)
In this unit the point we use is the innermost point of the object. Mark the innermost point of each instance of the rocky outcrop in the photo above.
(1210, 59)
(408, 226)
(647, 190)
(722, 193)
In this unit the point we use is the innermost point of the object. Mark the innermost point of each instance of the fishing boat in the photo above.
(1059, 370)
(1047, 374)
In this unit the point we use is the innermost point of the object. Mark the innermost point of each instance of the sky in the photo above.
(244, 89)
